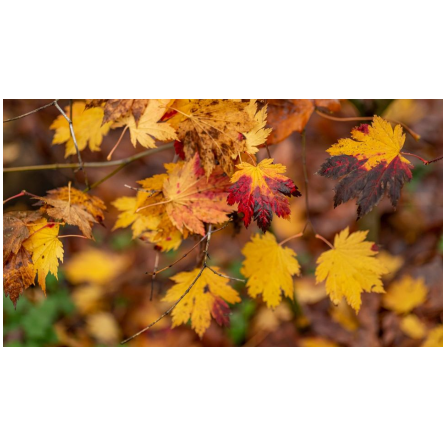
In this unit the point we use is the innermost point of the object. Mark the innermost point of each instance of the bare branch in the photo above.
(226, 277)
(31, 112)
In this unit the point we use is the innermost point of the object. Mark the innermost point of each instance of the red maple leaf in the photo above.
(261, 191)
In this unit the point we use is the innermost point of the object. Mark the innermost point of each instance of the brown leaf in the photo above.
(91, 204)
(73, 214)
(117, 108)
(286, 116)
(15, 230)
(18, 274)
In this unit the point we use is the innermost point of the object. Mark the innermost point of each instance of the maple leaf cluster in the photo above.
(30, 238)
(217, 179)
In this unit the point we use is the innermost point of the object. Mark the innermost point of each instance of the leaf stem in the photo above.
(324, 240)
(117, 144)
(291, 238)
(426, 162)
(414, 135)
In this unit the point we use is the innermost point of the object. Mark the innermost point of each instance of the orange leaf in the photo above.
(192, 199)
(286, 116)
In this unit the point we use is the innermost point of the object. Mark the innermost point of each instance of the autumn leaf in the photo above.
(434, 337)
(207, 298)
(115, 109)
(261, 191)
(269, 269)
(103, 327)
(258, 135)
(350, 268)
(405, 294)
(95, 266)
(317, 342)
(148, 128)
(15, 230)
(18, 274)
(91, 204)
(286, 116)
(214, 128)
(192, 199)
(87, 125)
(46, 249)
(368, 165)
(412, 326)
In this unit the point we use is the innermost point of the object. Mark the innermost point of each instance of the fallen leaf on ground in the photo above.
(434, 337)
(412, 326)
(405, 294)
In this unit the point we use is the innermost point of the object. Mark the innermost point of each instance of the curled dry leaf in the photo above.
(261, 191)
(368, 165)
(18, 274)
(214, 128)
(15, 230)
(115, 109)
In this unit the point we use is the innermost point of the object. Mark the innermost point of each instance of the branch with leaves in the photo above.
(216, 179)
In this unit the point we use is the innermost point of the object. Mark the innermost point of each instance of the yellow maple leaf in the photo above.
(272, 277)
(95, 266)
(405, 294)
(258, 134)
(207, 298)
(379, 143)
(434, 337)
(350, 268)
(46, 249)
(412, 326)
(87, 125)
(148, 128)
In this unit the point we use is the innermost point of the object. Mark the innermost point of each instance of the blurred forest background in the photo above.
(103, 294)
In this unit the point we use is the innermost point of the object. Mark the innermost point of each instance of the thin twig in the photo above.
(224, 276)
(73, 136)
(117, 144)
(31, 112)
(304, 165)
(152, 284)
(208, 236)
(127, 160)
(414, 135)
(166, 312)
